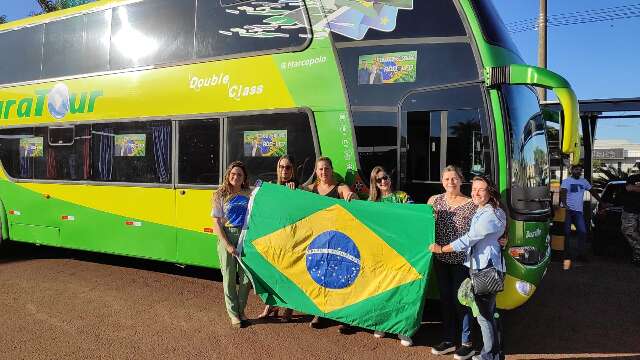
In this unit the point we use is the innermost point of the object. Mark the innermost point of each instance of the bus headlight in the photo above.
(526, 255)
(523, 287)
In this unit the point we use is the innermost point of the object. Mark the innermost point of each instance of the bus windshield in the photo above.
(529, 151)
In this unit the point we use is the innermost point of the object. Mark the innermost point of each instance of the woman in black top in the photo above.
(326, 185)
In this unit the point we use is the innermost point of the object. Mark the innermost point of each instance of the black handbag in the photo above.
(486, 281)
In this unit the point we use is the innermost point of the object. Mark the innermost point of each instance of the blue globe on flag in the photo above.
(58, 101)
(333, 260)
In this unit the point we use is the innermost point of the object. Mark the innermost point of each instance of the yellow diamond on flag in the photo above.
(335, 259)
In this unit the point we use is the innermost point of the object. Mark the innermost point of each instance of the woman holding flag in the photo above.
(381, 190)
(325, 184)
(482, 250)
(229, 212)
(285, 176)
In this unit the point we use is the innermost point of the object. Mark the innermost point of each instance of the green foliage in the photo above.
(606, 174)
(48, 6)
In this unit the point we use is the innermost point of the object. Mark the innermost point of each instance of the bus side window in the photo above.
(199, 152)
(259, 140)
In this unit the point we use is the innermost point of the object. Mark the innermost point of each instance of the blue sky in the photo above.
(599, 59)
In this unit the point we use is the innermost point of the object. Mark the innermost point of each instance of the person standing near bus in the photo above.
(325, 184)
(229, 211)
(630, 219)
(285, 176)
(482, 250)
(453, 212)
(381, 190)
(571, 197)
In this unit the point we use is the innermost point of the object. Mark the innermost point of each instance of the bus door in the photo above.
(439, 128)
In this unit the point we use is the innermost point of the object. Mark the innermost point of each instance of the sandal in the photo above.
(286, 315)
(269, 311)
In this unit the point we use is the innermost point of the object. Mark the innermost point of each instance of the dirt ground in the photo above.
(62, 304)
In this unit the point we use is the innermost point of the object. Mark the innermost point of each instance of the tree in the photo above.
(3, 19)
(606, 174)
(48, 6)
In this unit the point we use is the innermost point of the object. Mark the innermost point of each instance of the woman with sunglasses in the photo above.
(482, 249)
(285, 176)
(381, 190)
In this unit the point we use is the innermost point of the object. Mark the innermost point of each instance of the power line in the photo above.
(578, 17)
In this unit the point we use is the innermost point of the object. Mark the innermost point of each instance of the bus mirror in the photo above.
(520, 74)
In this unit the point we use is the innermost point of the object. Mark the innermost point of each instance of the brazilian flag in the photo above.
(359, 262)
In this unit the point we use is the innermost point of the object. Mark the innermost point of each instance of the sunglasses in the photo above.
(380, 179)
(288, 167)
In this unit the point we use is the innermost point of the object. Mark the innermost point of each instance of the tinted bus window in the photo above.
(492, 26)
(199, 152)
(16, 152)
(152, 32)
(77, 45)
(376, 137)
(435, 64)
(432, 18)
(65, 153)
(529, 151)
(259, 140)
(133, 152)
(21, 58)
(249, 26)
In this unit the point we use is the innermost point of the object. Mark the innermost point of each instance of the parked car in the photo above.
(605, 221)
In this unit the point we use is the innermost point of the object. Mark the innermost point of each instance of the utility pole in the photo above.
(542, 44)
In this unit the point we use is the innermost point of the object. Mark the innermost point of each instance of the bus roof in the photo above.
(40, 19)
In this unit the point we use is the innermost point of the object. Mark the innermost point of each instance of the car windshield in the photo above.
(614, 193)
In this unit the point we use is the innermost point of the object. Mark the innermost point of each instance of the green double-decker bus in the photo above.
(118, 117)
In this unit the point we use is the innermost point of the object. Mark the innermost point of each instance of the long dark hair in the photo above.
(494, 194)
(225, 188)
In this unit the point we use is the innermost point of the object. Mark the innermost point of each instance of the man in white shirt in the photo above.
(571, 197)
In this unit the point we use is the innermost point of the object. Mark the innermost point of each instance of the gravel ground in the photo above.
(62, 304)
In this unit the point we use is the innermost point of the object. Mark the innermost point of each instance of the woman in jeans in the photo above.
(229, 212)
(453, 212)
(483, 250)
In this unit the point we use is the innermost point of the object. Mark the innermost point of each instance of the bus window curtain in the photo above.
(86, 146)
(51, 163)
(161, 141)
(105, 154)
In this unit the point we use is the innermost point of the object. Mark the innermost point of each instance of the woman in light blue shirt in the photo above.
(483, 250)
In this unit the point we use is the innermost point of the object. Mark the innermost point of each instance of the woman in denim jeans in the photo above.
(483, 250)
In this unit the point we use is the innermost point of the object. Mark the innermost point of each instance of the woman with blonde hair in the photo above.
(453, 212)
(229, 212)
(381, 190)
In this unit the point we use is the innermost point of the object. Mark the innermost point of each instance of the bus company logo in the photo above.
(234, 91)
(58, 99)
(532, 234)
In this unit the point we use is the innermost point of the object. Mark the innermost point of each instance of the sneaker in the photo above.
(443, 348)
(379, 334)
(405, 340)
(464, 352)
(476, 357)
